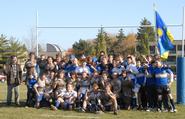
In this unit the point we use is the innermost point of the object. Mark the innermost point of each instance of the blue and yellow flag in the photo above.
(166, 39)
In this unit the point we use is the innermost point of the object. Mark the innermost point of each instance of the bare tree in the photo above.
(30, 41)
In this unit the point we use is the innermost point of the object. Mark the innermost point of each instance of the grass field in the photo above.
(13, 112)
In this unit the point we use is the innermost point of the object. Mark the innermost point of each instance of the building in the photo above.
(174, 53)
(52, 50)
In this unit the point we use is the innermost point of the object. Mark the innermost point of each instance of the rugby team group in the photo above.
(93, 84)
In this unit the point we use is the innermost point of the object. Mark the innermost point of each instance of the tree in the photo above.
(121, 36)
(118, 45)
(16, 48)
(3, 46)
(100, 42)
(145, 35)
(126, 46)
(129, 45)
(3, 42)
(40, 48)
(83, 47)
(111, 41)
(11, 46)
(30, 42)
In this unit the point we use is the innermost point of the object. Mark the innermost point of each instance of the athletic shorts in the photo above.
(40, 97)
(68, 105)
(163, 89)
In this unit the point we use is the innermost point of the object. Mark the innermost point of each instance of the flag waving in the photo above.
(166, 40)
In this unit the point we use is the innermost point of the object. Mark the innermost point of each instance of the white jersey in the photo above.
(48, 81)
(94, 95)
(60, 92)
(82, 69)
(48, 90)
(40, 85)
(118, 69)
(68, 95)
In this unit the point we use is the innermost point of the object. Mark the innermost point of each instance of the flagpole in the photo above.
(156, 37)
(37, 49)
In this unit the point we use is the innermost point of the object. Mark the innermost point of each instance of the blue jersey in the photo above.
(161, 76)
(31, 82)
(150, 79)
(169, 70)
(101, 67)
(170, 78)
(91, 70)
(71, 68)
(141, 79)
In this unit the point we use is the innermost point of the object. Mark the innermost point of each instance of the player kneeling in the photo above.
(39, 89)
(92, 102)
(109, 100)
(66, 100)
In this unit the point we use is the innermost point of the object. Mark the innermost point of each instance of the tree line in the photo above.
(117, 43)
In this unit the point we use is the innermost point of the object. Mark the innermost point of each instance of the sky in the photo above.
(18, 17)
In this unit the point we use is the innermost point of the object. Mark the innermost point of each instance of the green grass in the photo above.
(13, 112)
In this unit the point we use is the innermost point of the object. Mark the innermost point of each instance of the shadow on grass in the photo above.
(4, 104)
